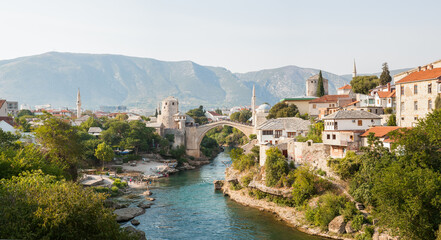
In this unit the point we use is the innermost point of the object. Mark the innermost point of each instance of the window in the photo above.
(371, 101)
(429, 88)
(351, 137)
(402, 106)
(415, 89)
(402, 90)
(314, 106)
(328, 136)
(291, 134)
(389, 100)
(402, 119)
(415, 118)
(360, 122)
(429, 104)
(415, 105)
(278, 133)
(372, 120)
(333, 136)
(267, 132)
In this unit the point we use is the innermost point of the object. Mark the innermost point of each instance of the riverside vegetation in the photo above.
(401, 188)
(39, 195)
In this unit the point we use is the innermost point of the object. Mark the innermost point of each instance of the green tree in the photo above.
(104, 153)
(218, 111)
(320, 86)
(392, 121)
(25, 112)
(362, 84)
(241, 116)
(91, 122)
(62, 141)
(438, 102)
(282, 109)
(37, 206)
(385, 75)
(275, 166)
(198, 114)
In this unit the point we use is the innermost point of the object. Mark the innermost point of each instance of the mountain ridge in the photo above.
(112, 79)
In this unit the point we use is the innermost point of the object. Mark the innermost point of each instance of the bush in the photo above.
(388, 110)
(119, 184)
(114, 189)
(321, 172)
(367, 235)
(235, 186)
(357, 222)
(119, 170)
(345, 167)
(275, 166)
(349, 211)
(247, 179)
(303, 187)
(244, 162)
(253, 136)
(329, 206)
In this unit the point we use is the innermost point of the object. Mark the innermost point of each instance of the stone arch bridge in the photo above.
(194, 135)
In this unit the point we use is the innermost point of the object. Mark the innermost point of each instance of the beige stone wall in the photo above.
(314, 154)
(302, 105)
(407, 116)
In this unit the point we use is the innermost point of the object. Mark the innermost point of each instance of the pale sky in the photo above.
(240, 35)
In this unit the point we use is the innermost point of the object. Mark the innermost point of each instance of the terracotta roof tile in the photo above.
(382, 94)
(347, 86)
(392, 94)
(379, 131)
(352, 103)
(329, 98)
(421, 75)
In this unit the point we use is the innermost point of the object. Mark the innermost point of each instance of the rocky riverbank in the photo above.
(337, 229)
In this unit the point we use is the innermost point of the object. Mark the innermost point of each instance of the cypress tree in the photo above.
(385, 75)
(320, 86)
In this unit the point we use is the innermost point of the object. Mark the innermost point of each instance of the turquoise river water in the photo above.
(187, 207)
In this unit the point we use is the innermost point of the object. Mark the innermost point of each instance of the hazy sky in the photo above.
(239, 35)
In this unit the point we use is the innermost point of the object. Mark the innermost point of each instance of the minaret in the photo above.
(354, 73)
(253, 106)
(78, 104)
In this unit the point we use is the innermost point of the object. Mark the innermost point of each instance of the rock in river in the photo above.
(145, 205)
(140, 234)
(125, 214)
(134, 222)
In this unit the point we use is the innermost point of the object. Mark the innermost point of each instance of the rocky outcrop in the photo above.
(274, 191)
(126, 214)
(150, 199)
(138, 233)
(349, 228)
(134, 222)
(337, 225)
(144, 205)
(218, 184)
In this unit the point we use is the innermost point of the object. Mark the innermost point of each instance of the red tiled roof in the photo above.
(347, 86)
(392, 94)
(382, 94)
(352, 103)
(421, 75)
(328, 98)
(379, 131)
(213, 113)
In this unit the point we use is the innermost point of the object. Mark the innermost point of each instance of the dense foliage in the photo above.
(243, 161)
(275, 166)
(198, 114)
(224, 136)
(282, 109)
(403, 186)
(362, 84)
(314, 133)
(241, 116)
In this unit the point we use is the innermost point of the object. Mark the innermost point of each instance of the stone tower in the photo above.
(170, 107)
(253, 106)
(354, 72)
(311, 86)
(78, 104)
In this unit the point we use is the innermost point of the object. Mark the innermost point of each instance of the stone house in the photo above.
(382, 132)
(312, 85)
(327, 101)
(416, 92)
(342, 130)
(302, 103)
(345, 90)
(274, 130)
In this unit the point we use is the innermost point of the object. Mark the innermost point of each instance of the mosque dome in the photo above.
(263, 108)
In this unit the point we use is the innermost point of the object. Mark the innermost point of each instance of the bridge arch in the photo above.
(194, 135)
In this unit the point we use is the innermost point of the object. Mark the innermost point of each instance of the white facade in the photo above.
(275, 130)
(170, 107)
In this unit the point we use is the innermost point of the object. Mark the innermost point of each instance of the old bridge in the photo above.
(194, 135)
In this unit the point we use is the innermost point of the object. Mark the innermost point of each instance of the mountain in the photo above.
(54, 77)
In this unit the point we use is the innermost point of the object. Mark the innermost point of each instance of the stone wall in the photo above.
(314, 154)
(179, 134)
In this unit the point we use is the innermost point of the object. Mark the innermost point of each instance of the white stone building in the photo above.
(274, 130)
(416, 92)
(342, 130)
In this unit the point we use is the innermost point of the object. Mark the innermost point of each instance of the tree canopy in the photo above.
(241, 116)
(362, 84)
(385, 75)
(282, 109)
(198, 114)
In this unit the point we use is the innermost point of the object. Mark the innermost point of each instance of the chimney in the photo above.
(430, 66)
(388, 86)
(419, 68)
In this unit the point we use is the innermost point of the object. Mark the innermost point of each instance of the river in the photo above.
(187, 207)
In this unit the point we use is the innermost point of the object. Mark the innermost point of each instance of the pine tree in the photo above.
(320, 87)
(385, 75)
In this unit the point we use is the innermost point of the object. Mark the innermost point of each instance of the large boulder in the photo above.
(337, 225)
(126, 214)
(138, 233)
(349, 228)
(144, 205)
(218, 184)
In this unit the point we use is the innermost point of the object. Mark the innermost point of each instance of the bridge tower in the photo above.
(170, 107)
